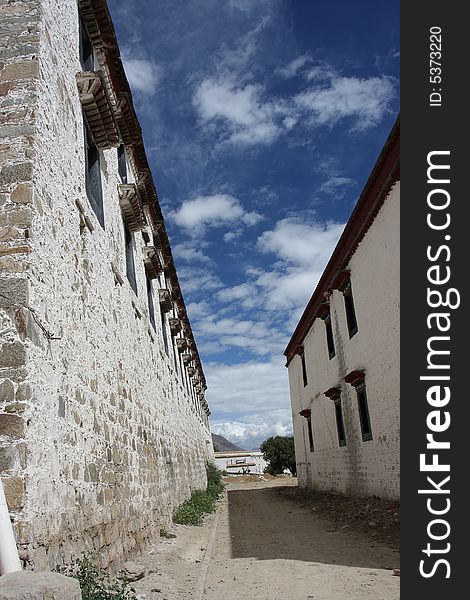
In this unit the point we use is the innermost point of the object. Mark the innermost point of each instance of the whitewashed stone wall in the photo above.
(99, 438)
(359, 468)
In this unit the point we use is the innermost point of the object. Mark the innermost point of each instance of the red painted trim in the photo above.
(355, 377)
(332, 393)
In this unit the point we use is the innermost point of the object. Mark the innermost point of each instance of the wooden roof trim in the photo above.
(97, 110)
(97, 18)
(131, 206)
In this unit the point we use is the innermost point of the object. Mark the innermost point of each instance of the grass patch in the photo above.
(202, 502)
(96, 584)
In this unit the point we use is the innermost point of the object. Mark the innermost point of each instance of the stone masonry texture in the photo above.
(101, 432)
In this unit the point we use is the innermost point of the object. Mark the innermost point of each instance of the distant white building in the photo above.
(343, 357)
(241, 463)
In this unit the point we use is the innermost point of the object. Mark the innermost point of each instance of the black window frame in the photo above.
(86, 50)
(311, 437)
(304, 368)
(340, 429)
(350, 310)
(364, 415)
(93, 183)
(330, 341)
(130, 261)
(150, 302)
(122, 163)
(164, 331)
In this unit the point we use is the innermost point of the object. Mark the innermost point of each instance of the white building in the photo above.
(241, 463)
(343, 358)
(103, 420)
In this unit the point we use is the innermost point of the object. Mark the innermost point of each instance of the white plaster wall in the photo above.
(114, 440)
(360, 468)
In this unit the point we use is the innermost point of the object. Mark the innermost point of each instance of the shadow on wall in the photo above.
(265, 526)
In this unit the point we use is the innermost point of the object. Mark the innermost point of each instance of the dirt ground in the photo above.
(266, 543)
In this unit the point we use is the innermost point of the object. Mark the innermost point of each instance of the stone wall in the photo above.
(101, 434)
(360, 467)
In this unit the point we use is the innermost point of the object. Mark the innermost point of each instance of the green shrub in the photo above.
(191, 512)
(96, 584)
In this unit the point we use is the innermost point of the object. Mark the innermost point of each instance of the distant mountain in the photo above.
(223, 445)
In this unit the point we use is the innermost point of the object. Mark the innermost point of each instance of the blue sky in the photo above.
(262, 120)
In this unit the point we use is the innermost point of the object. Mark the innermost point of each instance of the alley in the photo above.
(263, 546)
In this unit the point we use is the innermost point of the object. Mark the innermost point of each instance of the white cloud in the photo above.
(186, 252)
(260, 337)
(143, 75)
(230, 236)
(212, 211)
(240, 108)
(251, 400)
(301, 243)
(237, 292)
(334, 186)
(294, 66)
(364, 100)
(198, 309)
(195, 279)
(250, 435)
(243, 113)
(320, 72)
(303, 250)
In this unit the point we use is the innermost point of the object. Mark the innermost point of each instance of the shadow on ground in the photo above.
(266, 526)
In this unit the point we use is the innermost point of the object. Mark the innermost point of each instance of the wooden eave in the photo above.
(130, 134)
(355, 377)
(186, 358)
(181, 344)
(131, 206)
(165, 299)
(97, 110)
(97, 18)
(152, 264)
(175, 325)
(332, 393)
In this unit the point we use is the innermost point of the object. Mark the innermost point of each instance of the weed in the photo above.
(191, 512)
(96, 584)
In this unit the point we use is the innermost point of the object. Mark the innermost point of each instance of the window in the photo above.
(130, 266)
(175, 362)
(122, 164)
(87, 58)
(164, 331)
(350, 311)
(364, 412)
(150, 302)
(304, 369)
(339, 422)
(329, 337)
(93, 177)
(310, 433)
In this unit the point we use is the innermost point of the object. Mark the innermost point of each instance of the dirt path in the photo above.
(263, 546)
